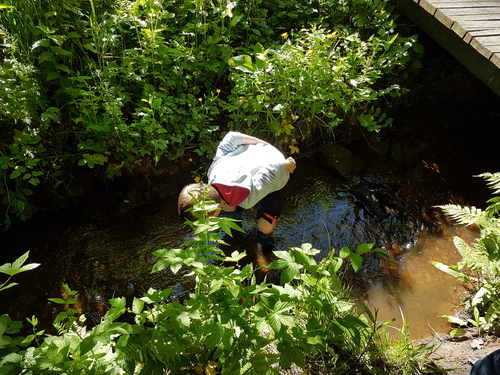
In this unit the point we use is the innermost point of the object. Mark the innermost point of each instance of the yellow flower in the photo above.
(200, 99)
(197, 179)
(284, 35)
(382, 11)
(218, 91)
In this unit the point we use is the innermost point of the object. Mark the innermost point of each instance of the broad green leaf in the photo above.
(64, 68)
(93, 159)
(184, 319)
(296, 355)
(62, 301)
(285, 255)
(46, 56)
(156, 103)
(356, 261)
(290, 273)
(451, 270)
(303, 258)
(455, 320)
(60, 51)
(87, 344)
(236, 256)
(364, 248)
(18, 266)
(137, 305)
(457, 332)
(344, 252)
(243, 63)
(15, 174)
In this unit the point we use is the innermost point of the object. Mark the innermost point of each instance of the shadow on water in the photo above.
(111, 256)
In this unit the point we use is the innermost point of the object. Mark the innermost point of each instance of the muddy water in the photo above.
(110, 255)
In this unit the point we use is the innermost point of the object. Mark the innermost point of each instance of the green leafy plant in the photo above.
(320, 78)
(480, 264)
(230, 323)
(12, 269)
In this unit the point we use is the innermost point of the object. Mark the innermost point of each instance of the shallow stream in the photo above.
(110, 256)
(106, 254)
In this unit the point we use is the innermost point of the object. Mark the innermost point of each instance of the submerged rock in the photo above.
(339, 159)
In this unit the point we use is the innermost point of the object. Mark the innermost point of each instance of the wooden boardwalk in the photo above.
(468, 29)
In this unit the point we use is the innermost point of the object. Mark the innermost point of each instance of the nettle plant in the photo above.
(480, 264)
(230, 323)
(316, 80)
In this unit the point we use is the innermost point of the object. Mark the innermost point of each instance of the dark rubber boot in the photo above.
(265, 241)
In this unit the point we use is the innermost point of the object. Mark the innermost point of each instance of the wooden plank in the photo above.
(483, 50)
(462, 6)
(485, 33)
(486, 37)
(459, 30)
(451, 12)
(472, 17)
(466, 3)
(479, 25)
(443, 18)
(427, 6)
(495, 59)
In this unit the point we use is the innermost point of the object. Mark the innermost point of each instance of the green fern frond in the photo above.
(464, 215)
(494, 208)
(474, 257)
(493, 181)
(463, 247)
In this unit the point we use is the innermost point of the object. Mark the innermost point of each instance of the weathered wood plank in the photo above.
(490, 36)
(472, 17)
(427, 6)
(474, 10)
(483, 50)
(443, 18)
(459, 12)
(459, 29)
(495, 59)
(462, 5)
(488, 24)
(468, 3)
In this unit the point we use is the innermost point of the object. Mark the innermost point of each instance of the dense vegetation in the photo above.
(114, 85)
(480, 264)
(231, 323)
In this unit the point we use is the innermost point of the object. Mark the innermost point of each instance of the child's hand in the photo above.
(290, 165)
